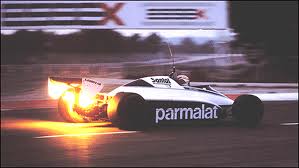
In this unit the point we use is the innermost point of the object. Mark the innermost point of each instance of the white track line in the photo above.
(6, 109)
(87, 134)
(287, 124)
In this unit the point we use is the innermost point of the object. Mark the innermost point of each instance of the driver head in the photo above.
(183, 80)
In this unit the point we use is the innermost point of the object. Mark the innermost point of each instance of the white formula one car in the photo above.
(150, 101)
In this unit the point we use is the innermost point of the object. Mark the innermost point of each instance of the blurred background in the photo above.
(260, 46)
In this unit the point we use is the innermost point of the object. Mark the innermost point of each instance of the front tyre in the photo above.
(66, 110)
(248, 110)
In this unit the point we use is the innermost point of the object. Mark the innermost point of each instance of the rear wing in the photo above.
(58, 85)
(66, 80)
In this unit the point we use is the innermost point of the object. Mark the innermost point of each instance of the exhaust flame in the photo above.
(69, 97)
(55, 89)
(85, 100)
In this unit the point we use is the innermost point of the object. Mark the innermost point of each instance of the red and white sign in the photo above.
(114, 14)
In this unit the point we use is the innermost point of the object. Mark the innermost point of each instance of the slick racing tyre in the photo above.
(248, 110)
(128, 111)
(66, 110)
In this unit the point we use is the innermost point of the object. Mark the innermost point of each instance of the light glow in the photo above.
(86, 134)
(85, 100)
(69, 97)
(54, 128)
(55, 88)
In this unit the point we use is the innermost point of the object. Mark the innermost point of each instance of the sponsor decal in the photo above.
(91, 81)
(111, 13)
(196, 113)
(161, 81)
(201, 14)
(83, 14)
(176, 14)
(91, 87)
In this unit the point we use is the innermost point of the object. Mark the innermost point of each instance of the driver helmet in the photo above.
(183, 80)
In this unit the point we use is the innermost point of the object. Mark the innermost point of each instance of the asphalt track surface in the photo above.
(38, 137)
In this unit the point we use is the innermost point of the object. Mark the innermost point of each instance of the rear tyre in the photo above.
(128, 111)
(248, 110)
(66, 111)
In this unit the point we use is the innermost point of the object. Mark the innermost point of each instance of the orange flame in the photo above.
(55, 88)
(85, 100)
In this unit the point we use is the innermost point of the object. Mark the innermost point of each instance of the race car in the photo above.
(150, 101)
